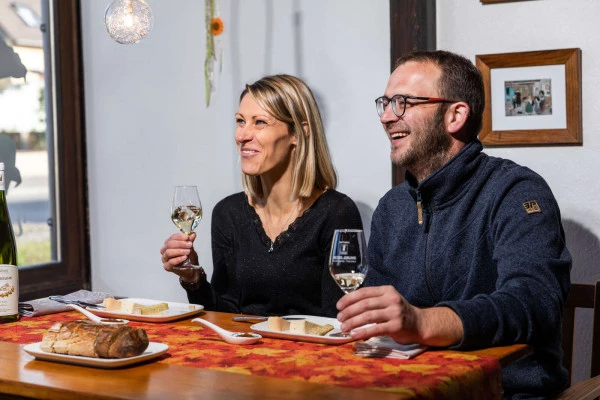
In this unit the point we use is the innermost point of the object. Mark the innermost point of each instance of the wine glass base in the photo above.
(189, 267)
(341, 335)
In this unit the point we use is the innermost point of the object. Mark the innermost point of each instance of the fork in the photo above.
(63, 300)
(244, 318)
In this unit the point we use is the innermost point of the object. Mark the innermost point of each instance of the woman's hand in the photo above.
(176, 250)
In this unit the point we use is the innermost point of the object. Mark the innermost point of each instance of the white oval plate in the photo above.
(176, 311)
(331, 337)
(154, 350)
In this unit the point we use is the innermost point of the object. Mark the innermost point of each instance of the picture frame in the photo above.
(532, 98)
(499, 1)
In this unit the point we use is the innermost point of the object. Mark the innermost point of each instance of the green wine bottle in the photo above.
(9, 273)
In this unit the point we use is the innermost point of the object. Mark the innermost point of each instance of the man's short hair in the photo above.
(460, 80)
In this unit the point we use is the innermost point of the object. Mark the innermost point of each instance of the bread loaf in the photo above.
(89, 339)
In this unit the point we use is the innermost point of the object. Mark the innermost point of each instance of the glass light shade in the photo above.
(128, 21)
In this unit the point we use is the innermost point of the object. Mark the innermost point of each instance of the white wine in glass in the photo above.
(186, 214)
(348, 260)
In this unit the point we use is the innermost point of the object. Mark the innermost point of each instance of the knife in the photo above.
(61, 299)
(244, 318)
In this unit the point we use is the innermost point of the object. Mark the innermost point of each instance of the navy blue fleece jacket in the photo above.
(491, 247)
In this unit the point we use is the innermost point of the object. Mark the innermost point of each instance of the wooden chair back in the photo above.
(581, 296)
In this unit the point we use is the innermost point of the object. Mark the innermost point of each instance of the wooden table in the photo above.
(22, 375)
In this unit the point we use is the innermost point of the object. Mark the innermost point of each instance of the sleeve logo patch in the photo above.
(532, 207)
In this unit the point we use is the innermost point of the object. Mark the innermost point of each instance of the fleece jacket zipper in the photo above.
(419, 208)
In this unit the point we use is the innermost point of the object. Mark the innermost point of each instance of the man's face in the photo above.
(418, 138)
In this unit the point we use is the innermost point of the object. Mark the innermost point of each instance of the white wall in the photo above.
(148, 128)
(471, 28)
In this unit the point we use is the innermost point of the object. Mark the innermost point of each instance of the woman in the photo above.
(270, 243)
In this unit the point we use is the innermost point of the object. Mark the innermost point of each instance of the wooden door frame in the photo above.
(412, 28)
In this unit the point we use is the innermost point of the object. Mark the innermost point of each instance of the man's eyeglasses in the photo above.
(399, 103)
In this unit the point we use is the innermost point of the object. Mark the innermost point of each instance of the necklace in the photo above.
(287, 220)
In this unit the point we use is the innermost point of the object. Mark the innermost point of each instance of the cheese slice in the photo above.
(111, 304)
(309, 328)
(278, 324)
(154, 309)
(129, 307)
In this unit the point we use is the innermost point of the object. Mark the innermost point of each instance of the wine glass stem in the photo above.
(187, 261)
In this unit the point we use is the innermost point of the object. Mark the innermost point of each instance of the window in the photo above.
(46, 141)
(27, 15)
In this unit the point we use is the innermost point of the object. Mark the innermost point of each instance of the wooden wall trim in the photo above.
(412, 28)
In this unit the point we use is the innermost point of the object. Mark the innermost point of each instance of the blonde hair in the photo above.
(290, 100)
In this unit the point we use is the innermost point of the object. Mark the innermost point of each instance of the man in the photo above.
(472, 245)
(541, 102)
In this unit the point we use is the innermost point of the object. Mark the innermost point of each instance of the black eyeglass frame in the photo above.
(394, 100)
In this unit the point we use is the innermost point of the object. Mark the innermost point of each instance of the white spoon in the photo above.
(230, 337)
(95, 318)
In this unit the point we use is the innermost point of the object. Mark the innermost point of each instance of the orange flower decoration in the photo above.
(216, 26)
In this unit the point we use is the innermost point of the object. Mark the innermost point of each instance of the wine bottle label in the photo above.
(9, 290)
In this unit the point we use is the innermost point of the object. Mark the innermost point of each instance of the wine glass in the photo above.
(348, 261)
(186, 213)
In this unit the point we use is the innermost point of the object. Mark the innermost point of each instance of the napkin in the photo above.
(45, 306)
(385, 346)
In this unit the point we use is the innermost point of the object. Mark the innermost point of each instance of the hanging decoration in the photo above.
(213, 60)
(128, 21)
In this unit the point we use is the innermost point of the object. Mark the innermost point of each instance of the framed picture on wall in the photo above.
(499, 1)
(531, 98)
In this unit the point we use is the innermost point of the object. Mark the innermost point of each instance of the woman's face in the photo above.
(265, 144)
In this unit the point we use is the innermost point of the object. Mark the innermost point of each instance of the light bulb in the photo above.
(128, 21)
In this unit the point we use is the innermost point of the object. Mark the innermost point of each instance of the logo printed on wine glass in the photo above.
(344, 248)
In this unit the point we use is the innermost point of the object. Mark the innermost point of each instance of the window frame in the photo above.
(71, 269)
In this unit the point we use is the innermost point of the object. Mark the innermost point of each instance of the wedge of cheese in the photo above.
(111, 304)
(154, 309)
(130, 307)
(309, 328)
(278, 324)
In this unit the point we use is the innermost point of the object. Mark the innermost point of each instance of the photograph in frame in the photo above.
(527, 98)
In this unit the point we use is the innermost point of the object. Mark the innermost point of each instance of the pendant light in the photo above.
(128, 21)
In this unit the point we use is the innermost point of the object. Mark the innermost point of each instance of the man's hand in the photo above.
(392, 315)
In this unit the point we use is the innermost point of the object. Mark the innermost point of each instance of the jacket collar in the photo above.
(451, 179)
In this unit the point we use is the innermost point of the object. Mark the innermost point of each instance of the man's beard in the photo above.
(429, 148)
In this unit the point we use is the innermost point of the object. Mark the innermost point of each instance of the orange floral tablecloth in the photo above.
(431, 375)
